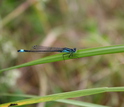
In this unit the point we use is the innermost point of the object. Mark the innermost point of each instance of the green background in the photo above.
(61, 23)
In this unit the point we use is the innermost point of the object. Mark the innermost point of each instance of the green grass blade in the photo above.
(79, 54)
(67, 101)
(81, 104)
(65, 95)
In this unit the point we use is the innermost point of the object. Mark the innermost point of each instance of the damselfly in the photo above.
(37, 48)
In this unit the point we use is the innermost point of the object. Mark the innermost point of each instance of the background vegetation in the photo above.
(61, 23)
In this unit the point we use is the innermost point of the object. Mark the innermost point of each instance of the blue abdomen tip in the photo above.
(21, 50)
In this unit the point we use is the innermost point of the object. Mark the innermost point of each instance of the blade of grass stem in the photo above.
(67, 101)
(79, 54)
(65, 95)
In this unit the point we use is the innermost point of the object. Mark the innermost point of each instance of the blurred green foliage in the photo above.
(70, 23)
